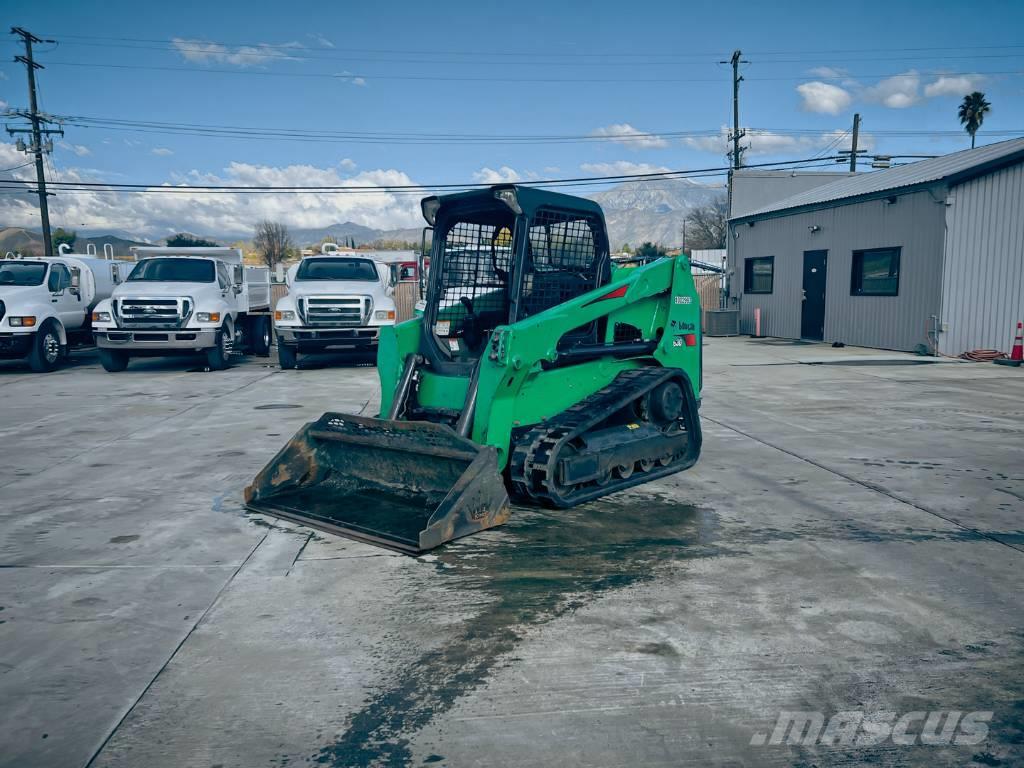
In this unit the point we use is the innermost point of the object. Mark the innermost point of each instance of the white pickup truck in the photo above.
(46, 304)
(336, 300)
(185, 301)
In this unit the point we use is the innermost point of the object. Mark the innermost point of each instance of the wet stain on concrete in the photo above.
(559, 562)
(124, 539)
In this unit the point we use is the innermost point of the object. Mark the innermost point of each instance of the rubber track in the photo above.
(534, 461)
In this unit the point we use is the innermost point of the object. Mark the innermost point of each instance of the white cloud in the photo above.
(154, 215)
(3, 104)
(823, 97)
(953, 85)
(827, 72)
(760, 142)
(347, 77)
(629, 136)
(78, 149)
(622, 168)
(203, 52)
(161, 151)
(757, 142)
(320, 40)
(347, 163)
(503, 175)
(898, 92)
(552, 169)
(3, 75)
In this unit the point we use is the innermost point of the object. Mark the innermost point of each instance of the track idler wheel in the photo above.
(666, 404)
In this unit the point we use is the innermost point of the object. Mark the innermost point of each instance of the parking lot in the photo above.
(850, 541)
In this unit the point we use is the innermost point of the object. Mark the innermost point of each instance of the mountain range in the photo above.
(637, 212)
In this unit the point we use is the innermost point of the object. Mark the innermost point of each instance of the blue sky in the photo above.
(582, 69)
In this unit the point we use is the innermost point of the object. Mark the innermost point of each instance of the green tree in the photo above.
(61, 236)
(650, 251)
(185, 240)
(972, 112)
(626, 248)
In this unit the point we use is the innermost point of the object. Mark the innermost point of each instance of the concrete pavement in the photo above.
(850, 541)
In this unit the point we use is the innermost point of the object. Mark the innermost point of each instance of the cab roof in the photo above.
(529, 198)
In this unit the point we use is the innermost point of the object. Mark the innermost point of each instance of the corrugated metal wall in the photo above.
(915, 222)
(983, 284)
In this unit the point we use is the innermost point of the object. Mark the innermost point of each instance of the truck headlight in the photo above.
(24, 321)
(284, 314)
(208, 317)
(101, 317)
(384, 314)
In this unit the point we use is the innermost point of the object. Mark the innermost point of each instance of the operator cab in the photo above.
(501, 255)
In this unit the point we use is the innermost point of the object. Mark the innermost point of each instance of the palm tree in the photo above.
(972, 113)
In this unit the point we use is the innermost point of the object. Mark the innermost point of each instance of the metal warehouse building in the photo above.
(891, 259)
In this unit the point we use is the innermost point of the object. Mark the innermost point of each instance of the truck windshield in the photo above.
(22, 273)
(174, 271)
(337, 269)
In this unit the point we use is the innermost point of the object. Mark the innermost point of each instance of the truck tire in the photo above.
(287, 356)
(259, 333)
(46, 349)
(218, 356)
(113, 360)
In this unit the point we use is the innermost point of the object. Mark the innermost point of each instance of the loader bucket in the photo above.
(404, 485)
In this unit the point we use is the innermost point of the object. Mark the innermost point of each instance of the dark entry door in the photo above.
(812, 322)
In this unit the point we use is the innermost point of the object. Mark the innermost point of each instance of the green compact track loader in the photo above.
(537, 369)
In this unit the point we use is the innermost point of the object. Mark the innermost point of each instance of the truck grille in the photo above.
(335, 310)
(144, 312)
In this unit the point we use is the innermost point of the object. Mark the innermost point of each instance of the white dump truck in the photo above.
(185, 301)
(337, 300)
(46, 303)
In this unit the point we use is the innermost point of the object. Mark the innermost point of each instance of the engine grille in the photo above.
(145, 312)
(335, 310)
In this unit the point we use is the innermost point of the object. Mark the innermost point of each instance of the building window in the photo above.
(758, 274)
(876, 272)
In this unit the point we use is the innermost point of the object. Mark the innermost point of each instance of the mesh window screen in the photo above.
(475, 272)
(562, 260)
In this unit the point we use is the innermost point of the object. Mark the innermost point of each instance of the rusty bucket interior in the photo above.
(405, 485)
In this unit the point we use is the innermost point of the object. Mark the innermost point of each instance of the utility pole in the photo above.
(37, 131)
(737, 134)
(736, 152)
(853, 143)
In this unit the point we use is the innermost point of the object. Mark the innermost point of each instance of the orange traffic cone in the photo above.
(1017, 353)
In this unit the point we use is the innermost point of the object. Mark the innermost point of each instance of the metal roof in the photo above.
(950, 168)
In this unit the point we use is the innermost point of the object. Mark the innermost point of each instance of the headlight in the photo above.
(101, 317)
(284, 314)
(25, 321)
(208, 317)
(384, 314)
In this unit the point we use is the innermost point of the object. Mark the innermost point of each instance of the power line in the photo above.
(81, 186)
(350, 76)
(261, 52)
(293, 46)
(301, 134)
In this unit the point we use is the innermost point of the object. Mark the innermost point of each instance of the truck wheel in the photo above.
(259, 329)
(46, 351)
(287, 356)
(113, 360)
(218, 357)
